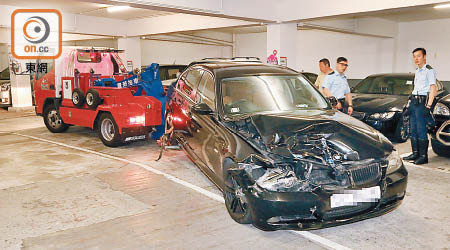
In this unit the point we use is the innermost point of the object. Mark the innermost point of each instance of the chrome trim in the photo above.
(439, 133)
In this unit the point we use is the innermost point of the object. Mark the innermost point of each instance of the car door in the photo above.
(207, 146)
(181, 104)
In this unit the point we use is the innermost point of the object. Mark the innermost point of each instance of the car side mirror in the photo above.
(202, 109)
(332, 100)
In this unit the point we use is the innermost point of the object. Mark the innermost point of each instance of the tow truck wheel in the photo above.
(53, 121)
(78, 98)
(108, 131)
(92, 98)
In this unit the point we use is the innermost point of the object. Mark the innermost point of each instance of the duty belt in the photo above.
(418, 99)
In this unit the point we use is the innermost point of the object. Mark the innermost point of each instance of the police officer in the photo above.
(335, 84)
(421, 100)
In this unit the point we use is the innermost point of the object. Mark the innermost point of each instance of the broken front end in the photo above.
(308, 180)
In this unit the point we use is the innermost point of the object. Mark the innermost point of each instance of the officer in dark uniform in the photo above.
(421, 101)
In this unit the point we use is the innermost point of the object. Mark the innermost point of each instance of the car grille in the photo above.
(346, 211)
(365, 174)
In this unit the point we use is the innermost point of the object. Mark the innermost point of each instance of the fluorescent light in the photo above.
(441, 6)
(117, 8)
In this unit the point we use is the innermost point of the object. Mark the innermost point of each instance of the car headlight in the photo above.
(441, 109)
(383, 137)
(395, 162)
(382, 116)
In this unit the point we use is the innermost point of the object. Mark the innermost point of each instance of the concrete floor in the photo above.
(54, 196)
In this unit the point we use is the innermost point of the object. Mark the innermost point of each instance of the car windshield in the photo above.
(170, 72)
(389, 85)
(251, 94)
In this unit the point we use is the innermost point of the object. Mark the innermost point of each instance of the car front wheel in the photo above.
(235, 200)
(439, 148)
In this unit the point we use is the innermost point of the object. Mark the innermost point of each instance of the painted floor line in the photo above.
(310, 236)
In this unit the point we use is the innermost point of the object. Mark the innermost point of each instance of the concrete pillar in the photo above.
(281, 43)
(132, 47)
(20, 91)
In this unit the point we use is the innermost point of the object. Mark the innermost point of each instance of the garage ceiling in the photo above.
(405, 14)
(86, 8)
(415, 14)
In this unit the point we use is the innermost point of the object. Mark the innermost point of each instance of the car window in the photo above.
(172, 73)
(206, 90)
(251, 94)
(89, 57)
(189, 81)
(389, 85)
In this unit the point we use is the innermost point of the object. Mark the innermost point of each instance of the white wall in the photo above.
(179, 53)
(252, 44)
(366, 55)
(434, 36)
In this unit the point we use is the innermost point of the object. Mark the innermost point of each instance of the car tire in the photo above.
(439, 148)
(78, 98)
(93, 98)
(108, 131)
(402, 130)
(53, 120)
(235, 200)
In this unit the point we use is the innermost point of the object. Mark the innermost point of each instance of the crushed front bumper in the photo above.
(312, 210)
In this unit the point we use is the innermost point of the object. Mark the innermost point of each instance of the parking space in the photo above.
(69, 191)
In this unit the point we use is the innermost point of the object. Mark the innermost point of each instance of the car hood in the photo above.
(445, 100)
(275, 132)
(376, 103)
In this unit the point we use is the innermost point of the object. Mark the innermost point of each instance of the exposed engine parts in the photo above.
(303, 161)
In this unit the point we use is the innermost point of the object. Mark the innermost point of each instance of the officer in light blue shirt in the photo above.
(421, 101)
(335, 84)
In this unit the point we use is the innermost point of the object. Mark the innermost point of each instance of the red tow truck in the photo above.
(66, 95)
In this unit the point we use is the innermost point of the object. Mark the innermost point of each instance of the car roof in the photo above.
(230, 69)
(393, 75)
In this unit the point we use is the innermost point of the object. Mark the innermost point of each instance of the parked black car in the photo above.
(440, 137)
(5, 88)
(283, 158)
(312, 77)
(378, 100)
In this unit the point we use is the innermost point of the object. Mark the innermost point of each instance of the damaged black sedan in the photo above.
(283, 158)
